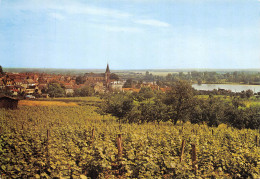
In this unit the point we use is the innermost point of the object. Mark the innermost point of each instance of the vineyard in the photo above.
(76, 142)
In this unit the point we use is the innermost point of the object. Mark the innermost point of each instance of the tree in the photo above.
(84, 91)
(114, 76)
(80, 80)
(168, 77)
(145, 93)
(1, 70)
(153, 111)
(55, 90)
(180, 100)
(199, 81)
(249, 93)
(236, 102)
(128, 83)
(118, 105)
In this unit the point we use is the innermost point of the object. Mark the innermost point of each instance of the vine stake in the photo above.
(119, 146)
(194, 158)
(182, 149)
(256, 141)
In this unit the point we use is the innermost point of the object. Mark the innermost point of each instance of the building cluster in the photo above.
(32, 83)
(29, 84)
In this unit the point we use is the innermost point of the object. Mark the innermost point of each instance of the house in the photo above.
(2, 85)
(18, 82)
(8, 102)
(116, 87)
(9, 82)
(69, 91)
(31, 89)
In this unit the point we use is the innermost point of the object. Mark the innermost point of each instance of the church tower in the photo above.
(107, 76)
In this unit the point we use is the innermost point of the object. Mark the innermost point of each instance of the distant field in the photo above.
(101, 70)
(248, 102)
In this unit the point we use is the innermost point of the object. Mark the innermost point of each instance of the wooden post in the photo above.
(256, 141)
(182, 149)
(119, 146)
(212, 132)
(194, 158)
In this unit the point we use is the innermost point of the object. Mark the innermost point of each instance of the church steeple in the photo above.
(107, 70)
(107, 76)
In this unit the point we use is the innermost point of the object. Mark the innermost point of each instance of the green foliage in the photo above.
(212, 111)
(55, 90)
(145, 93)
(149, 151)
(180, 104)
(1, 70)
(249, 93)
(128, 83)
(156, 111)
(180, 99)
(114, 76)
(80, 80)
(118, 105)
(84, 91)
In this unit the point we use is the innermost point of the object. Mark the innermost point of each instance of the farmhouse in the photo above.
(8, 102)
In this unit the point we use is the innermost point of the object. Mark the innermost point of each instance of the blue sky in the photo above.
(130, 34)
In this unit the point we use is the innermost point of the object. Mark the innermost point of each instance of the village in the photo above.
(32, 85)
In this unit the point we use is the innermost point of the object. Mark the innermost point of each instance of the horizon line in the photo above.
(138, 69)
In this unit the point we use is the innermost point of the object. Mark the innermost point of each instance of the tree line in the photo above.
(204, 77)
(180, 103)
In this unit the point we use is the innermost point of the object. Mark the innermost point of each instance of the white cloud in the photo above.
(58, 10)
(122, 29)
(84, 9)
(152, 22)
(56, 16)
(118, 28)
(72, 7)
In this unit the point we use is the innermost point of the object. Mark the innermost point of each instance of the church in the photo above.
(94, 78)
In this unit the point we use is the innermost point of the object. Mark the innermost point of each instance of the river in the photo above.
(233, 88)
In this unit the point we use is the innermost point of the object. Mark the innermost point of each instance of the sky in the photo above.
(130, 34)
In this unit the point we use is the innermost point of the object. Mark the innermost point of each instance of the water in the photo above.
(233, 88)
